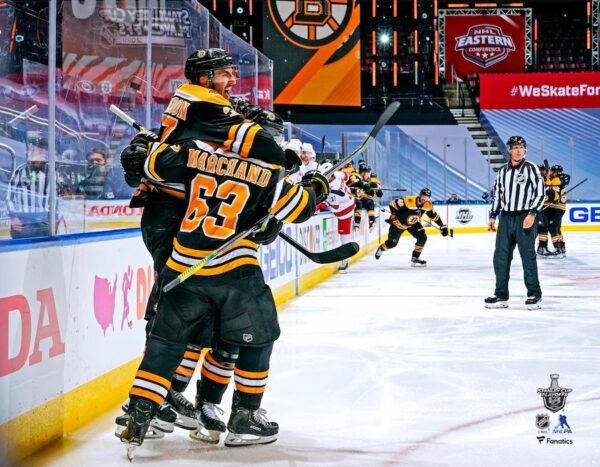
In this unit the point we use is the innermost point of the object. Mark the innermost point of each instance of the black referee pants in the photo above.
(510, 234)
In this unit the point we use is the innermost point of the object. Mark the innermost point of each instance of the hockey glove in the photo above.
(134, 156)
(444, 231)
(318, 183)
(292, 161)
(270, 234)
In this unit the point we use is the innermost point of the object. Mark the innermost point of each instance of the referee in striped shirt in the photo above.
(518, 196)
(27, 193)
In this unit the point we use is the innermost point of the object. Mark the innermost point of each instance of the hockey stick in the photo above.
(392, 189)
(345, 251)
(381, 122)
(126, 118)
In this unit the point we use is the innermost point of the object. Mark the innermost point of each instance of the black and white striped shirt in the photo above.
(518, 189)
(28, 191)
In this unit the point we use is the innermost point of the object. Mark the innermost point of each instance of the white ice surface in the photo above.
(391, 365)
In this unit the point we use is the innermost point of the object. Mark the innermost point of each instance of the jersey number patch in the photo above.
(203, 187)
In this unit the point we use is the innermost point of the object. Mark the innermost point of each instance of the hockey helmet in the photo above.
(308, 149)
(556, 169)
(205, 62)
(425, 192)
(542, 167)
(364, 168)
(294, 145)
(325, 167)
(515, 141)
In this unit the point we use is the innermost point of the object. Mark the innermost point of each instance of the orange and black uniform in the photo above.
(555, 205)
(405, 215)
(225, 194)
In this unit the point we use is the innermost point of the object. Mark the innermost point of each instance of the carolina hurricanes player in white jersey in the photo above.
(341, 202)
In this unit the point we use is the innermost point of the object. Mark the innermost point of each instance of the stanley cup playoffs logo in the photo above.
(311, 24)
(554, 396)
(485, 45)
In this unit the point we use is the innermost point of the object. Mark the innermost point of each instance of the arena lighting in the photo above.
(516, 4)
(384, 38)
(373, 43)
(486, 5)
(458, 5)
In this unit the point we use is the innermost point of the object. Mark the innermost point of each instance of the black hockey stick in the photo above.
(392, 189)
(345, 251)
(381, 122)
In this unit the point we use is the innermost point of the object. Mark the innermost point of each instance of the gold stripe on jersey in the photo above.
(299, 208)
(214, 270)
(194, 92)
(203, 253)
(249, 140)
(151, 161)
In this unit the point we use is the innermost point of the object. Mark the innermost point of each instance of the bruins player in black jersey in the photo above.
(405, 215)
(364, 187)
(226, 194)
(550, 219)
(198, 109)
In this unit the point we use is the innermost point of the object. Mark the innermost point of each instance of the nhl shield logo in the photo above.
(542, 421)
(485, 45)
(464, 215)
(247, 337)
(554, 396)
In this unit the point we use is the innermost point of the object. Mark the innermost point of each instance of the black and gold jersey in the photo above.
(225, 194)
(196, 112)
(556, 193)
(405, 212)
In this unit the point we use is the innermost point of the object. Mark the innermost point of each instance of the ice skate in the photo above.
(544, 252)
(533, 303)
(162, 423)
(378, 253)
(187, 415)
(418, 263)
(209, 425)
(247, 427)
(343, 266)
(496, 302)
(138, 423)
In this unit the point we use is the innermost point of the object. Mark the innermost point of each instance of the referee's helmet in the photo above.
(516, 140)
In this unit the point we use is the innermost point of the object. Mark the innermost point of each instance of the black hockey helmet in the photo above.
(542, 167)
(364, 168)
(425, 192)
(516, 140)
(270, 121)
(556, 169)
(205, 61)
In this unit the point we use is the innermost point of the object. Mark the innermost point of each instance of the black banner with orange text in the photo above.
(315, 48)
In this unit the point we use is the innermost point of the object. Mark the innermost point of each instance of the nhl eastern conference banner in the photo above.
(484, 43)
(315, 47)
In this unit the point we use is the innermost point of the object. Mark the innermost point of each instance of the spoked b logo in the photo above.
(311, 24)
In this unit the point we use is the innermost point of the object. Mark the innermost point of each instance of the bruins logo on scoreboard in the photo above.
(311, 23)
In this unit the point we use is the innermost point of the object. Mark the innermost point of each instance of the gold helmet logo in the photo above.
(310, 24)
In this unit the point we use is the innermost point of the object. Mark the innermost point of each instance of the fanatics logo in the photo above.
(485, 45)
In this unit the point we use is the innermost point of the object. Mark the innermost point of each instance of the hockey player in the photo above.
(550, 220)
(227, 194)
(342, 204)
(405, 215)
(364, 187)
(200, 108)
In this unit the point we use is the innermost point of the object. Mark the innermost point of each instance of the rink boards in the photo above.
(72, 328)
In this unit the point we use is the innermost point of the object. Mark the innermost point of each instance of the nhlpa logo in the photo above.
(484, 45)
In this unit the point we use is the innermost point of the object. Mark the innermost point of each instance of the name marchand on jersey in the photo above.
(226, 194)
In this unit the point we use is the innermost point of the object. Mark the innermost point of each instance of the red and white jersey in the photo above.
(340, 199)
(304, 168)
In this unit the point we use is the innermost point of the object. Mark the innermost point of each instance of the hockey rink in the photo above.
(392, 365)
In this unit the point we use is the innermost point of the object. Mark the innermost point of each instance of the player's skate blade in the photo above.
(205, 436)
(533, 303)
(131, 451)
(234, 440)
(495, 302)
(152, 432)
